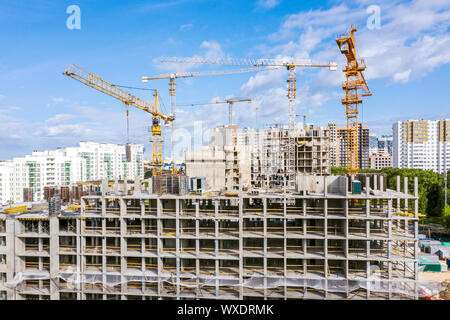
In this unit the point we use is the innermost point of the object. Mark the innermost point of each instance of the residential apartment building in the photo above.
(380, 160)
(373, 143)
(422, 144)
(385, 144)
(65, 166)
(338, 145)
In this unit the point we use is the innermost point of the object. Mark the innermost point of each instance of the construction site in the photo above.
(320, 241)
(255, 215)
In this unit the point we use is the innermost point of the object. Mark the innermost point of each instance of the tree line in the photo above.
(431, 186)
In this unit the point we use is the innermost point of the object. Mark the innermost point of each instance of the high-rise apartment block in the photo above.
(422, 144)
(65, 166)
(385, 144)
(338, 141)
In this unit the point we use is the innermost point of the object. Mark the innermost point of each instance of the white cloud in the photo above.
(402, 76)
(413, 40)
(2, 97)
(267, 4)
(58, 119)
(213, 49)
(58, 99)
(187, 26)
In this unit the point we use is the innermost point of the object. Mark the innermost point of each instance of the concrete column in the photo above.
(416, 199)
(159, 243)
(367, 248)
(177, 243)
(123, 207)
(142, 204)
(346, 186)
(368, 207)
(405, 185)
(104, 203)
(54, 257)
(367, 186)
(241, 256)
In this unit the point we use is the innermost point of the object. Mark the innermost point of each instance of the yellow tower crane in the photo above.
(172, 91)
(354, 81)
(290, 64)
(128, 99)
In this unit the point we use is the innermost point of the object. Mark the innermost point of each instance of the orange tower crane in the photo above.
(128, 99)
(353, 83)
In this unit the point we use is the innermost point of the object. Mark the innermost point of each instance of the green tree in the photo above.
(446, 217)
(431, 186)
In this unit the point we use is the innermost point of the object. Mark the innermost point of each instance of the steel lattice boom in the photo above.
(128, 99)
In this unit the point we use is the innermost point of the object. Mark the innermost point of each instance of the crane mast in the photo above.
(353, 83)
(128, 99)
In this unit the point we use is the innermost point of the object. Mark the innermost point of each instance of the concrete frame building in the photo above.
(321, 242)
(306, 150)
(422, 144)
(223, 167)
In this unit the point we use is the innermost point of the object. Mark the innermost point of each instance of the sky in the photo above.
(405, 44)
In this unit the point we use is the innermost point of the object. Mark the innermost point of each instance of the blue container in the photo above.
(448, 262)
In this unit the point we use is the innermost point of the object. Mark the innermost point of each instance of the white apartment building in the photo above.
(6, 180)
(66, 166)
(106, 160)
(422, 144)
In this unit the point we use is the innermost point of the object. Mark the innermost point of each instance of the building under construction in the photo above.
(331, 237)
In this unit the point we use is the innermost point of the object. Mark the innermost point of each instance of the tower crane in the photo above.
(290, 64)
(128, 99)
(230, 105)
(172, 91)
(354, 81)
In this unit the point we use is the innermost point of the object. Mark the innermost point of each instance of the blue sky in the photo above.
(407, 64)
